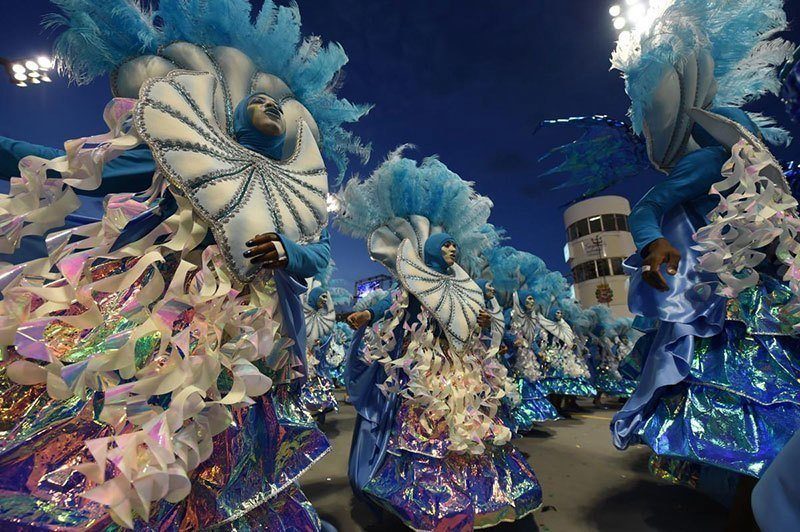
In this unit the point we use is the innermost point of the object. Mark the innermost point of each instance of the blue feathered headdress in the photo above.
(98, 36)
(342, 297)
(501, 266)
(737, 33)
(401, 187)
(607, 153)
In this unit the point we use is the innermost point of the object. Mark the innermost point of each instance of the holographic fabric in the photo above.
(606, 383)
(270, 445)
(533, 407)
(578, 387)
(457, 492)
(245, 458)
(740, 403)
(448, 464)
(317, 395)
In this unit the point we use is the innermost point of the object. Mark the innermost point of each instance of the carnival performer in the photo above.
(317, 394)
(548, 352)
(776, 497)
(527, 404)
(429, 445)
(609, 346)
(153, 357)
(718, 384)
(337, 355)
(719, 381)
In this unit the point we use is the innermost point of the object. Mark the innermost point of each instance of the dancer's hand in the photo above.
(356, 320)
(659, 252)
(484, 319)
(263, 251)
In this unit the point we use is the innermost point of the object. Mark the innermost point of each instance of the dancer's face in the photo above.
(322, 301)
(266, 115)
(559, 314)
(530, 303)
(449, 253)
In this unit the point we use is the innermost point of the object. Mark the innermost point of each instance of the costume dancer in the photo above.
(317, 394)
(776, 497)
(719, 377)
(429, 445)
(719, 383)
(153, 356)
(524, 404)
(609, 345)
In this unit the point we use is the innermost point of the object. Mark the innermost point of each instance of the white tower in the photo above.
(598, 240)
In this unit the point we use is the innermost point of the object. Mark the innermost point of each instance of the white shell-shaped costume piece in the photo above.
(319, 321)
(384, 241)
(498, 328)
(454, 299)
(528, 323)
(729, 133)
(238, 192)
(560, 329)
(237, 77)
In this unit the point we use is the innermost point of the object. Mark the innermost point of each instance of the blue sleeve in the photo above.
(309, 260)
(379, 309)
(12, 151)
(691, 179)
(131, 171)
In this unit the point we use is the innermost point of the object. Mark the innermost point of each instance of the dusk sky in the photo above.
(467, 80)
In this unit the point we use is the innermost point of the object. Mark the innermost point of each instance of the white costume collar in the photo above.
(454, 299)
(238, 192)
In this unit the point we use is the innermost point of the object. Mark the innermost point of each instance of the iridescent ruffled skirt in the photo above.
(317, 395)
(253, 470)
(534, 407)
(562, 385)
(457, 492)
(606, 383)
(740, 403)
(429, 488)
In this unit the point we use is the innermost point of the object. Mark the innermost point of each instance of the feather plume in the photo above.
(739, 34)
(98, 36)
(401, 187)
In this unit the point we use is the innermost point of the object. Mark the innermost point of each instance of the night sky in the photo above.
(467, 80)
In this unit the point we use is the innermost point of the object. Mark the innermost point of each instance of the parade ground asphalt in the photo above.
(588, 485)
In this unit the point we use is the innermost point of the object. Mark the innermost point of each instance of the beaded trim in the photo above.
(284, 186)
(446, 296)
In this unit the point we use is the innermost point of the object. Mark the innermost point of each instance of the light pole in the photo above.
(26, 72)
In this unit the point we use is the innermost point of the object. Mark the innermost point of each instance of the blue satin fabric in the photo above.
(687, 185)
(376, 412)
(688, 310)
(294, 321)
(375, 417)
(719, 381)
(776, 497)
